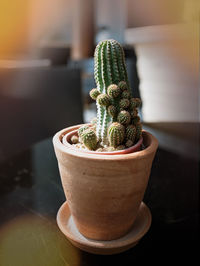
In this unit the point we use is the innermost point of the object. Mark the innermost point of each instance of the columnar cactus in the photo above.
(118, 124)
(109, 68)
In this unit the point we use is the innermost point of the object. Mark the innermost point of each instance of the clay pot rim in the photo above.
(57, 141)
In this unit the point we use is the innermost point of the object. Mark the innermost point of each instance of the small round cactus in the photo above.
(124, 103)
(122, 85)
(129, 143)
(126, 94)
(89, 139)
(138, 131)
(103, 99)
(116, 134)
(130, 132)
(94, 93)
(135, 120)
(82, 129)
(124, 117)
(135, 103)
(112, 110)
(134, 113)
(113, 91)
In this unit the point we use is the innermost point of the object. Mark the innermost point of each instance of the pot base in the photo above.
(69, 229)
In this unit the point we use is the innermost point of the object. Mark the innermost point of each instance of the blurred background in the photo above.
(46, 66)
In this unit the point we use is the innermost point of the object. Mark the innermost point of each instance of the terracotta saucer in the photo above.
(69, 229)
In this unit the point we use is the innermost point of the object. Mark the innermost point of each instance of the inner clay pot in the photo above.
(66, 141)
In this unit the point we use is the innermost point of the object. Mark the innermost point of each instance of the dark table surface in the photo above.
(31, 194)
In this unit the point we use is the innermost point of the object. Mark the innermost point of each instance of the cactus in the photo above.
(138, 131)
(116, 133)
(130, 132)
(134, 113)
(118, 124)
(129, 143)
(122, 85)
(135, 103)
(124, 103)
(124, 117)
(113, 91)
(103, 100)
(136, 120)
(82, 129)
(94, 93)
(89, 139)
(109, 69)
(112, 110)
(126, 94)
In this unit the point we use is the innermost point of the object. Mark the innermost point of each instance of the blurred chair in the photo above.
(35, 103)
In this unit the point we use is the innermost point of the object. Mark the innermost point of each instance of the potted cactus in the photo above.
(105, 165)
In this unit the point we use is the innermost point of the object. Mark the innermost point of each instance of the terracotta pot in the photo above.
(104, 192)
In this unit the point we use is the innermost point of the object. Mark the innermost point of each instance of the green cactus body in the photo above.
(115, 105)
(113, 91)
(112, 110)
(126, 94)
(89, 139)
(124, 117)
(82, 129)
(129, 143)
(122, 85)
(138, 131)
(103, 100)
(136, 120)
(135, 103)
(94, 93)
(109, 68)
(124, 103)
(116, 134)
(130, 132)
(134, 113)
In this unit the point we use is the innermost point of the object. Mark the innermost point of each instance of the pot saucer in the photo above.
(69, 229)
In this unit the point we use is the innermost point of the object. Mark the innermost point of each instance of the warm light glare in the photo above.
(13, 26)
(30, 241)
